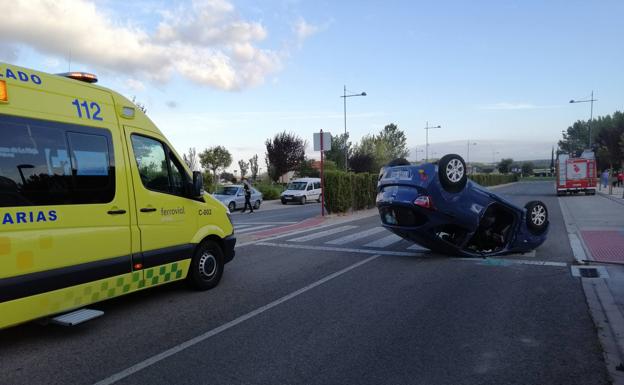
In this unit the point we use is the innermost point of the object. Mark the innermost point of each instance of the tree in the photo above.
(394, 141)
(284, 153)
(504, 166)
(361, 162)
(191, 159)
(527, 168)
(306, 169)
(253, 165)
(215, 158)
(227, 176)
(337, 152)
(244, 167)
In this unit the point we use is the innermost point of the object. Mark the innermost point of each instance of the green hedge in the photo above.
(348, 191)
(269, 192)
(494, 179)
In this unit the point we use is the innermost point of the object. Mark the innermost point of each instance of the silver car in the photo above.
(233, 196)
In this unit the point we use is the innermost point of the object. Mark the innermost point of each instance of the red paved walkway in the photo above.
(605, 246)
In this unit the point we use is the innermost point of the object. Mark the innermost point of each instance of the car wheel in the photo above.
(283, 202)
(452, 173)
(303, 200)
(256, 205)
(232, 206)
(536, 216)
(206, 266)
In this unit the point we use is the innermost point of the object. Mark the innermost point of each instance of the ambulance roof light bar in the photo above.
(81, 76)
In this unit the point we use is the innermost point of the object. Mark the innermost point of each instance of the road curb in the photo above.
(612, 197)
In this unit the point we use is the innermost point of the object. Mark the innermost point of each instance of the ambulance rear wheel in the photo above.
(206, 266)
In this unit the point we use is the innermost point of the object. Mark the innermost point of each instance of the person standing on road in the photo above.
(247, 189)
(620, 178)
(604, 178)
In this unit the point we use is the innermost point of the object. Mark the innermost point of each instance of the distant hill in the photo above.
(487, 150)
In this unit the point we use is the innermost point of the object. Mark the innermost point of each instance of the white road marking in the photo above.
(194, 341)
(264, 223)
(354, 237)
(253, 228)
(322, 234)
(385, 241)
(240, 226)
(339, 249)
(416, 246)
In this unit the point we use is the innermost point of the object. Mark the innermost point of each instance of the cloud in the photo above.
(205, 41)
(172, 104)
(303, 30)
(8, 52)
(135, 85)
(512, 106)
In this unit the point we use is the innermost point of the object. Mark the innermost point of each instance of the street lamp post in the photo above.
(468, 152)
(591, 101)
(427, 128)
(344, 98)
(417, 151)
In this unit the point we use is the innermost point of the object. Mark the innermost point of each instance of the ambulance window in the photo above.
(38, 165)
(178, 179)
(152, 163)
(91, 165)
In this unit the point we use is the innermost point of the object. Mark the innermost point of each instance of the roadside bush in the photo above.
(269, 192)
(348, 191)
(494, 179)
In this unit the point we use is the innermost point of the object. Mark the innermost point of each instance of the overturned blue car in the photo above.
(438, 207)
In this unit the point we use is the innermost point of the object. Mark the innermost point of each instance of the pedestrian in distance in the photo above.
(620, 178)
(247, 189)
(604, 178)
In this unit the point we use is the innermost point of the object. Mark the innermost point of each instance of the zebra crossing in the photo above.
(373, 238)
(252, 227)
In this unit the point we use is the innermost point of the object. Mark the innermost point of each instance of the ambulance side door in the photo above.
(166, 215)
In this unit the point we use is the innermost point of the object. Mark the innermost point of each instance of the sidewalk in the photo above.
(616, 194)
(595, 226)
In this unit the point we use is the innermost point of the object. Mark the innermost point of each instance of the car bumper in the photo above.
(228, 248)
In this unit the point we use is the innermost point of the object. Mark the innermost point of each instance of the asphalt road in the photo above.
(347, 304)
(273, 214)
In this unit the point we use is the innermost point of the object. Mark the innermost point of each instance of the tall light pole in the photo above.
(427, 128)
(494, 153)
(468, 152)
(344, 98)
(417, 151)
(591, 100)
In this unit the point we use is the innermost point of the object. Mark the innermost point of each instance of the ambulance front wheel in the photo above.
(206, 266)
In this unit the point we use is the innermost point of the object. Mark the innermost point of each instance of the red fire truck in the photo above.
(576, 174)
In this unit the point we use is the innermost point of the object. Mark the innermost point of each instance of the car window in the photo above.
(226, 190)
(310, 187)
(297, 186)
(317, 185)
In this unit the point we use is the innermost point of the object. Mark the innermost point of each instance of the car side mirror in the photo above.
(198, 184)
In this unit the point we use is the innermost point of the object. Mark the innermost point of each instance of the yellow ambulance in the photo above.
(94, 201)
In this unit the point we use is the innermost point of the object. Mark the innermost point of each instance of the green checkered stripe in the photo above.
(164, 273)
(77, 296)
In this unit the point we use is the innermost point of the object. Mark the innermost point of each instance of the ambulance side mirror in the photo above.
(198, 184)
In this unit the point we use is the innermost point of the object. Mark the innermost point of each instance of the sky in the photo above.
(497, 76)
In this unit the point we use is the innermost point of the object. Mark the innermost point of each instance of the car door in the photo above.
(240, 197)
(165, 215)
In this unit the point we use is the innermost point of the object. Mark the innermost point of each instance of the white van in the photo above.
(302, 190)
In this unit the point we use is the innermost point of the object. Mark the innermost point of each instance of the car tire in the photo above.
(232, 206)
(206, 266)
(303, 200)
(398, 162)
(256, 205)
(452, 173)
(536, 216)
(283, 202)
